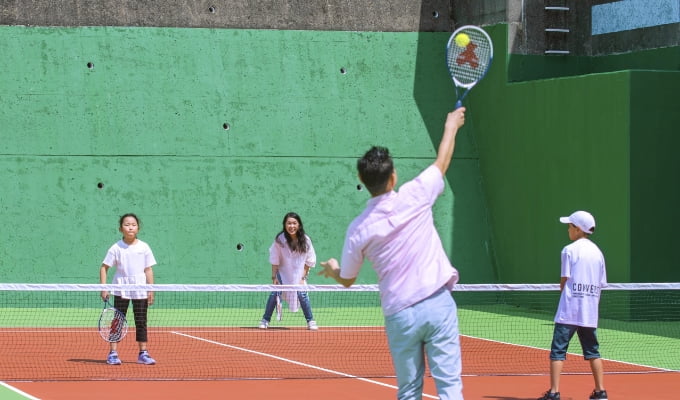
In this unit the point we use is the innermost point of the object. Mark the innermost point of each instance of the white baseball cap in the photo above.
(582, 219)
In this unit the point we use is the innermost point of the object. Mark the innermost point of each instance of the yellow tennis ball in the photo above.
(462, 39)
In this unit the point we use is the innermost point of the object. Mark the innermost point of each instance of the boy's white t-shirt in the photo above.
(583, 266)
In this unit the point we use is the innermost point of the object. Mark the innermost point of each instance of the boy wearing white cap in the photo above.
(583, 275)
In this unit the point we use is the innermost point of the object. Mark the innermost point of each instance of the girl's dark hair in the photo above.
(300, 245)
(375, 169)
(122, 218)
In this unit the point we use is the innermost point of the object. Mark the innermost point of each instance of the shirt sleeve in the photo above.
(565, 269)
(352, 259)
(110, 258)
(428, 185)
(275, 254)
(150, 260)
(603, 276)
(310, 261)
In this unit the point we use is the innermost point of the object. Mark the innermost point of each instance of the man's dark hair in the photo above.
(375, 169)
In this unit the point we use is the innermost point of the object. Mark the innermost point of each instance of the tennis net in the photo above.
(211, 332)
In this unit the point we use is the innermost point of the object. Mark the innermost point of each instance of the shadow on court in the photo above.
(86, 361)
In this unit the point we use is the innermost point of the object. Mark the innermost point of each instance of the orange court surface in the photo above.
(307, 370)
(658, 386)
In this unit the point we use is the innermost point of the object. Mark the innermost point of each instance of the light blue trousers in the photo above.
(428, 328)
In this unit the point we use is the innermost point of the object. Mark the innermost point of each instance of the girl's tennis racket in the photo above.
(112, 323)
(468, 57)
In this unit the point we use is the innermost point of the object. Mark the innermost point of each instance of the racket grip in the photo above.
(459, 104)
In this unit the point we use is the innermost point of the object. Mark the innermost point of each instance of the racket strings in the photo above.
(115, 327)
(469, 64)
(112, 325)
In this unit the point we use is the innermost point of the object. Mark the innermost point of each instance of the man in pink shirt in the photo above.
(396, 233)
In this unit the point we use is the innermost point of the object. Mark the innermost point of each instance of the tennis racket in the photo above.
(279, 308)
(113, 325)
(469, 53)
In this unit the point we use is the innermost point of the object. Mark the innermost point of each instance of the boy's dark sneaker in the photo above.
(599, 395)
(550, 396)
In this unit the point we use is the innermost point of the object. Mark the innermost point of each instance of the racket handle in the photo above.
(459, 104)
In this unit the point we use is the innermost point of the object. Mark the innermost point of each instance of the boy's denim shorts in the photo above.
(563, 333)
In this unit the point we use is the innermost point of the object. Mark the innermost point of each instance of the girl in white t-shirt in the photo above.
(133, 261)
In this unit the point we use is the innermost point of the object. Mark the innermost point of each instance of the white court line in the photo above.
(273, 329)
(12, 388)
(191, 329)
(330, 371)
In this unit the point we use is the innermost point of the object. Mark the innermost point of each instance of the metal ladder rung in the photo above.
(562, 10)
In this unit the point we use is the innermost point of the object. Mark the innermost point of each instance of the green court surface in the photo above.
(7, 392)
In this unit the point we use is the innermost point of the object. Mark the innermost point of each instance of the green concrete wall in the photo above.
(655, 175)
(532, 67)
(141, 129)
(603, 142)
